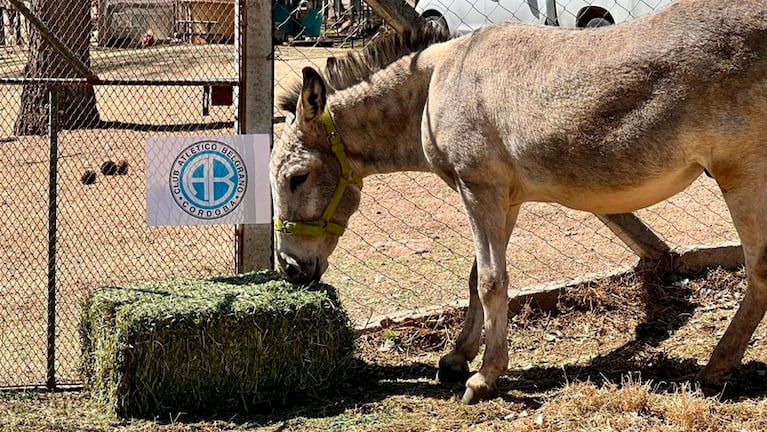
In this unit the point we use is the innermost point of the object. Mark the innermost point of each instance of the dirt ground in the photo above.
(619, 355)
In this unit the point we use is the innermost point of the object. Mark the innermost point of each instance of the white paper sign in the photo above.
(208, 180)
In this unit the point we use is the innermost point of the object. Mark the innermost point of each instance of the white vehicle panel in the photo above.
(463, 16)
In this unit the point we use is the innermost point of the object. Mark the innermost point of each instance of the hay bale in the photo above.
(215, 345)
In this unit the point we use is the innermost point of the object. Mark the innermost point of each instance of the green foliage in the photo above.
(224, 344)
(391, 335)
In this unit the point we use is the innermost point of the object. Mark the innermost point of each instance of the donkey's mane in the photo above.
(344, 72)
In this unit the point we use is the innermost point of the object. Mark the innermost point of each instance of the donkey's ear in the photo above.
(313, 92)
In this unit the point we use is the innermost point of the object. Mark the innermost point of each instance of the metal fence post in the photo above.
(256, 95)
(53, 109)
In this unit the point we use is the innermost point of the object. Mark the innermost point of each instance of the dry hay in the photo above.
(224, 344)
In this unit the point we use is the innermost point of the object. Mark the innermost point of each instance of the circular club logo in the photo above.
(208, 179)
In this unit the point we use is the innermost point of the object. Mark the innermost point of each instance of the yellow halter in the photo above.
(319, 226)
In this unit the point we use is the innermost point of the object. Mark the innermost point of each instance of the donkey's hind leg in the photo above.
(748, 207)
(454, 366)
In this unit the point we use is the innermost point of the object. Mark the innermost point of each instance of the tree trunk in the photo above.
(70, 21)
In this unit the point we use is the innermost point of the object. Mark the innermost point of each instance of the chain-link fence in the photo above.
(409, 247)
(161, 66)
(156, 62)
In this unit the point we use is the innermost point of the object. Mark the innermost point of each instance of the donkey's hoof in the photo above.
(709, 385)
(452, 372)
(475, 394)
(714, 375)
(477, 389)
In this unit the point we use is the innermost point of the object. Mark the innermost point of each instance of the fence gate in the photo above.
(73, 120)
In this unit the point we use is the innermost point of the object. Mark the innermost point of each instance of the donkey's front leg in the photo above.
(492, 293)
(492, 221)
(454, 366)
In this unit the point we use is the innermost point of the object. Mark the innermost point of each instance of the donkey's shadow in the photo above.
(667, 309)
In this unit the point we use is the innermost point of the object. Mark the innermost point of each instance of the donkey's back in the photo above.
(610, 119)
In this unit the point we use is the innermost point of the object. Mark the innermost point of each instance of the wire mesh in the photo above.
(102, 236)
(409, 246)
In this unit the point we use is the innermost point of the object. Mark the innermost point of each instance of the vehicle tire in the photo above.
(437, 21)
(598, 22)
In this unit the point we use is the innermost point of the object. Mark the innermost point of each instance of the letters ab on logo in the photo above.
(208, 179)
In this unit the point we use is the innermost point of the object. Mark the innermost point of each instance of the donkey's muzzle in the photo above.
(297, 271)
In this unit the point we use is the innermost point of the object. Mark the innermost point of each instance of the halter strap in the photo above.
(322, 225)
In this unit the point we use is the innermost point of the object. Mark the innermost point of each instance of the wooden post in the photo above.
(397, 13)
(2, 24)
(637, 236)
(253, 38)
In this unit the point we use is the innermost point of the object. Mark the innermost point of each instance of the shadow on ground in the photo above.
(667, 309)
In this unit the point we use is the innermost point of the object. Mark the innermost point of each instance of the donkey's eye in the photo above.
(297, 180)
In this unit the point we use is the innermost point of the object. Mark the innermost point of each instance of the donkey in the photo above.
(605, 120)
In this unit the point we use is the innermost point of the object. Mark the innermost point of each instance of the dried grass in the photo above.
(224, 344)
(615, 357)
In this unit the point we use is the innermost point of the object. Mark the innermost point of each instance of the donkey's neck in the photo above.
(380, 119)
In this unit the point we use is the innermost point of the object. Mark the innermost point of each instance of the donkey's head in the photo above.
(313, 188)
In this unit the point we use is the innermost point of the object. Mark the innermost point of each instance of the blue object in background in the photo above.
(311, 24)
(283, 22)
(287, 25)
